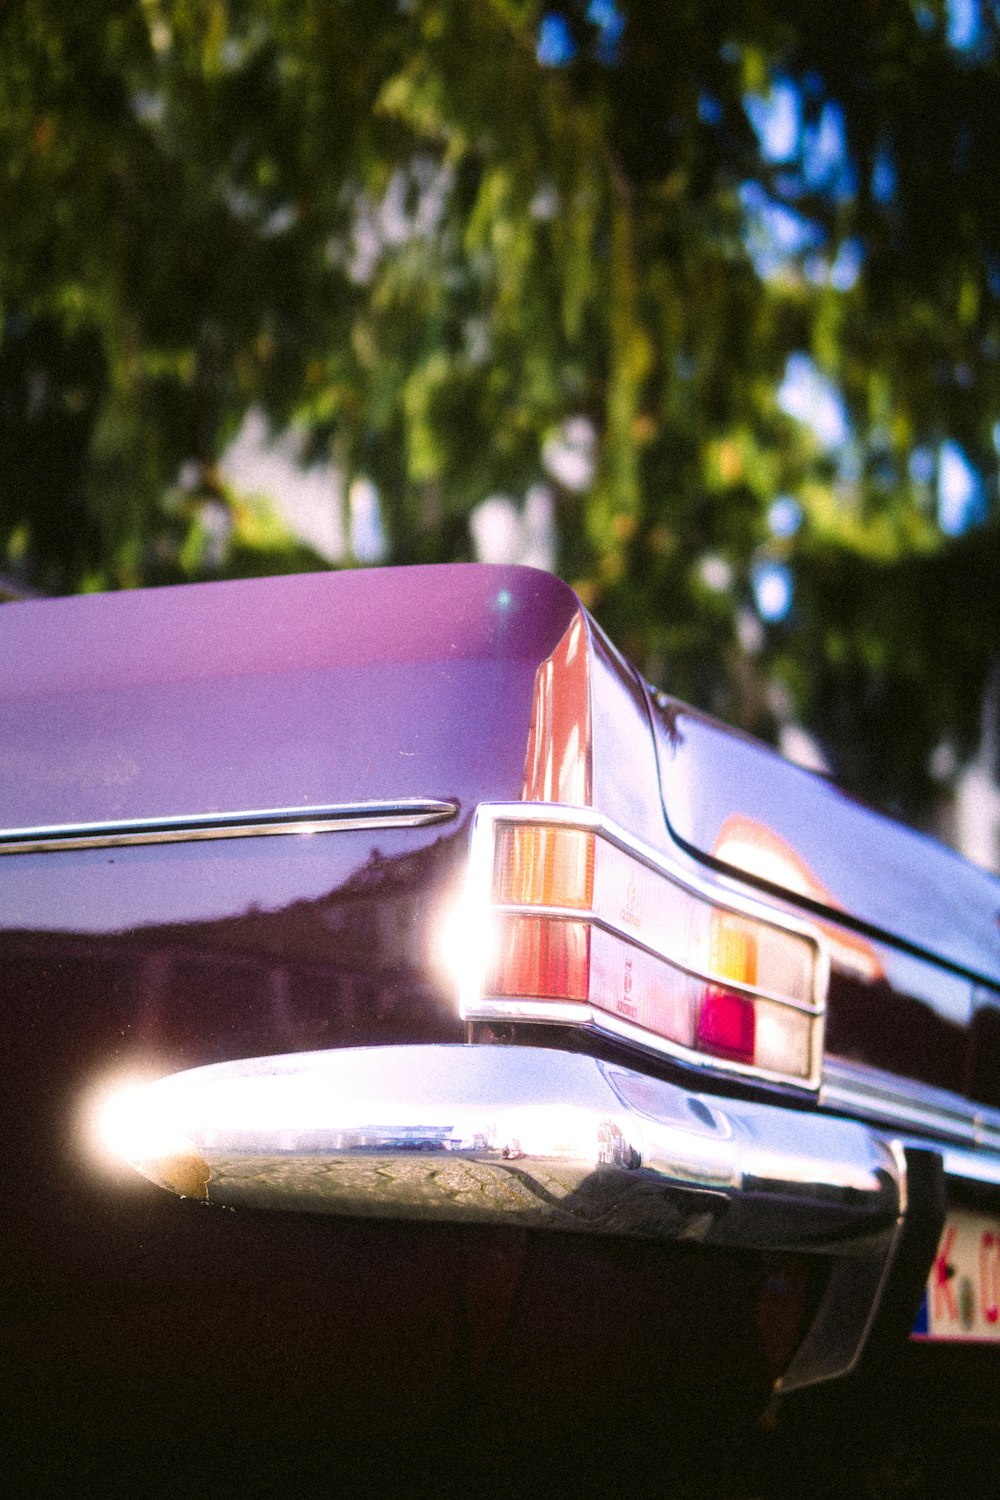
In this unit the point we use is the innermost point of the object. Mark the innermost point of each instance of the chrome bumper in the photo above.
(552, 1140)
(533, 1137)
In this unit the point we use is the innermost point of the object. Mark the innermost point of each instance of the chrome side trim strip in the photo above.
(970, 1166)
(905, 1104)
(338, 817)
(966, 1134)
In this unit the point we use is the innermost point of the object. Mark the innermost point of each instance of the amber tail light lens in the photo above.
(539, 866)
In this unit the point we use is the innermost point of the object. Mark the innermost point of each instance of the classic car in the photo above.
(426, 1042)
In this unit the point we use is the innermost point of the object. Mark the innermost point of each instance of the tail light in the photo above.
(727, 1025)
(587, 926)
(535, 865)
(538, 956)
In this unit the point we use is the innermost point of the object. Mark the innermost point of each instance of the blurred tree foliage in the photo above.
(755, 247)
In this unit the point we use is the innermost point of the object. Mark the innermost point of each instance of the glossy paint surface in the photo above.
(626, 788)
(890, 903)
(897, 1012)
(228, 697)
(124, 1318)
(738, 804)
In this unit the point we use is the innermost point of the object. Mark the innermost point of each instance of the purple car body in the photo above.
(555, 1045)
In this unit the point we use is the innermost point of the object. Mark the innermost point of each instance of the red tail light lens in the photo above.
(727, 1026)
(542, 956)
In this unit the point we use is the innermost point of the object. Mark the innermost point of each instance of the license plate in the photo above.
(962, 1298)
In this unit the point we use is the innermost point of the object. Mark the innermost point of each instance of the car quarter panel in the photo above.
(291, 693)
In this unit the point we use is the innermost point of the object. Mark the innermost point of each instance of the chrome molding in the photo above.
(904, 1103)
(474, 1006)
(340, 817)
(977, 1167)
(965, 1133)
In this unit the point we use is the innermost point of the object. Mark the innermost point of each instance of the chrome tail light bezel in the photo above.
(482, 910)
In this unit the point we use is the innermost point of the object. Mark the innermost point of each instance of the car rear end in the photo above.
(501, 1104)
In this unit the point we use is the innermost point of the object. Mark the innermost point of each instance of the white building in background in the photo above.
(309, 499)
(505, 532)
(976, 814)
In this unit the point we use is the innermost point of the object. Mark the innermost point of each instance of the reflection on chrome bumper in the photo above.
(552, 1139)
(535, 1137)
